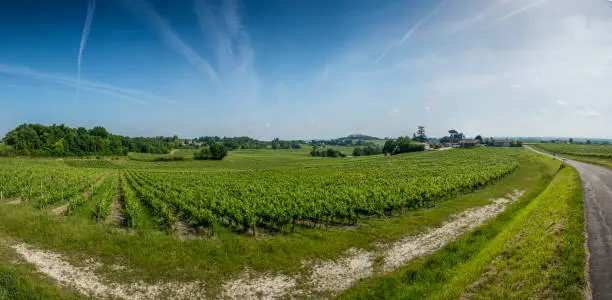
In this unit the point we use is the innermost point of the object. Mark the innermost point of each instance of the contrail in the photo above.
(518, 11)
(410, 32)
(91, 7)
(479, 17)
(148, 13)
(118, 92)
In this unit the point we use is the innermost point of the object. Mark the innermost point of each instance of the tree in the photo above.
(218, 151)
(204, 153)
(99, 131)
(479, 138)
(455, 136)
(357, 152)
(588, 142)
(389, 147)
(402, 145)
(571, 140)
(420, 134)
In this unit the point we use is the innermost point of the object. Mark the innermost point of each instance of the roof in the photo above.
(470, 141)
(503, 141)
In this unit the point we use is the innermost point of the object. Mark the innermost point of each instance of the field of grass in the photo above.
(150, 247)
(595, 154)
(604, 151)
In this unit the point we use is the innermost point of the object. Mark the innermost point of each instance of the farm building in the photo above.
(469, 143)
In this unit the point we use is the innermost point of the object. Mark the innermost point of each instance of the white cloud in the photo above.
(427, 108)
(562, 103)
(394, 112)
(267, 125)
(587, 112)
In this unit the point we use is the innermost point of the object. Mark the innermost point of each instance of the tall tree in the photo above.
(420, 134)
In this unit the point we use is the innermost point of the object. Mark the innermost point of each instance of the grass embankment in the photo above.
(535, 249)
(152, 255)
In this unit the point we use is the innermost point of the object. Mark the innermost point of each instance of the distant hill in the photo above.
(362, 137)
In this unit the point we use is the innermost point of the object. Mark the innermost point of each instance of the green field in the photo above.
(595, 154)
(268, 210)
(603, 151)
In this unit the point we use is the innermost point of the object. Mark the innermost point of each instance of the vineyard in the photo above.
(284, 216)
(250, 196)
(601, 151)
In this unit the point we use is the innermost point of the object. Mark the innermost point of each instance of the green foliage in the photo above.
(420, 135)
(6, 150)
(326, 152)
(243, 142)
(534, 249)
(367, 150)
(215, 152)
(42, 185)
(54, 140)
(276, 199)
(402, 145)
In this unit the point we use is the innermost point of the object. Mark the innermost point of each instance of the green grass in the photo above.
(152, 255)
(535, 249)
(22, 281)
(594, 154)
(577, 149)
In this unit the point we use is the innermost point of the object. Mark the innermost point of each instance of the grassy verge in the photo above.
(152, 256)
(535, 249)
(21, 281)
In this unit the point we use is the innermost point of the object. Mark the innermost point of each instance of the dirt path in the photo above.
(319, 276)
(14, 202)
(60, 210)
(116, 216)
(597, 193)
(89, 190)
(84, 280)
(336, 276)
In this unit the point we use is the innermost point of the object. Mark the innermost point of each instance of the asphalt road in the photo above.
(597, 192)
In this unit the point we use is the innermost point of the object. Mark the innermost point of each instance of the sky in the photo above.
(307, 69)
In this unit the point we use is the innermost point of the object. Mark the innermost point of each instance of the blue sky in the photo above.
(309, 69)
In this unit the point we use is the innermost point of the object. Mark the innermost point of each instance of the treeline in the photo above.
(326, 152)
(243, 142)
(368, 150)
(60, 140)
(402, 145)
(349, 141)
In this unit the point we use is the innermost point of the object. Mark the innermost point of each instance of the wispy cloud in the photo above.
(231, 42)
(91, 7)
(562, 103)
(465, 25)
(107, 89)
(410, 32)
(588, 112)
(517, 11)
(148, 13)
(394, 112)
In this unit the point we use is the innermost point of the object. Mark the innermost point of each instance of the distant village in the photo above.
(456, 139)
